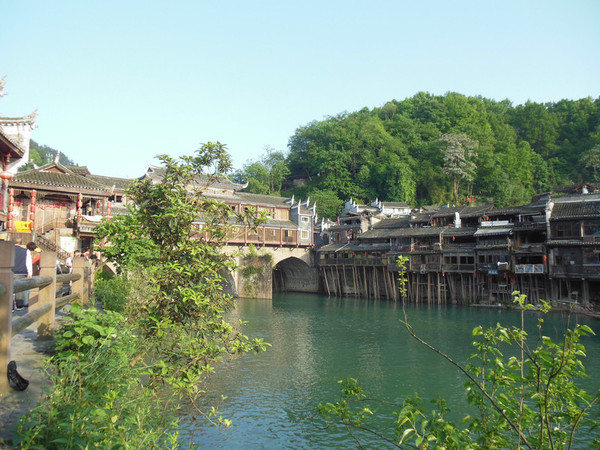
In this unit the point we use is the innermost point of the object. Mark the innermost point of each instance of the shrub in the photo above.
(98, 398)
(113, 291)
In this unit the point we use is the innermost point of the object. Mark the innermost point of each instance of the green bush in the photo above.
(98, 398)
(113, 291)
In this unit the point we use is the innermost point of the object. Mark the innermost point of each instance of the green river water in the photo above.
(272, 397)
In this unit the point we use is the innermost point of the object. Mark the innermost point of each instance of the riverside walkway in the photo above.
(15, 404)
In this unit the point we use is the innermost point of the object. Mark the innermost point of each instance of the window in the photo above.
(304, 234)
(304, 219)
(591, 228)
(566, 230)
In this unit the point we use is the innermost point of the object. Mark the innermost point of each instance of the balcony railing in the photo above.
(576, 270)
(357, 261)
(458, 268)
(530, 268)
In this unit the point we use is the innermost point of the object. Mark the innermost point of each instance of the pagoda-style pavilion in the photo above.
(14, 152)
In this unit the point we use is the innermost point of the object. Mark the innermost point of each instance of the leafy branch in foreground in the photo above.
(527, 398)
(170, 286)
(174, 237)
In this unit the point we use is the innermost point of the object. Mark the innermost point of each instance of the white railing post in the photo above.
(7, 261)
(47, 295)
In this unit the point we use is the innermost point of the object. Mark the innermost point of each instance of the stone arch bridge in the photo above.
(268, 269)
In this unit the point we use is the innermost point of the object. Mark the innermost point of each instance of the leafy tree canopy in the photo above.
(40, 155)
(394, 152)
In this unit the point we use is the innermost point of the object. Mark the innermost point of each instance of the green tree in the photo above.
(183, 320)
(265, 176)
(40, 155)
(538, 145)
(257, 177)
(459, 159)
(328, 203)
(275, 162)
(591, 159)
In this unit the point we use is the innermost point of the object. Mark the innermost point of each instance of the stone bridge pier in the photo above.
(265, 270)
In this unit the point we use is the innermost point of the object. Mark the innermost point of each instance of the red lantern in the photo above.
(11, 201)
(32, 210)
(98, 208)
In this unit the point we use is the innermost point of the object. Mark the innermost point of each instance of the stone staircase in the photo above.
(47, 245)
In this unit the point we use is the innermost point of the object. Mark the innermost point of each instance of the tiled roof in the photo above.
(245, 197)
(443, 212)
(575, 187)
(422, 217)
(402, 232)
(451, 231)
(533, 208)
(392, 223)
(493, 231)
(11, 147)
(109, 182)
(429, 231)
(508, 211)
(395, 204)
(55, 179)
(575, 210)
(279, 223)
(382, 233)
(348, 247)
(79, 170)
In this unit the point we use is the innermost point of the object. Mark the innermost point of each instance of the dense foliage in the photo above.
(182, 315)
(397, 152)
(98, 399)
(40, 155)
(168, 324)
(265, 176)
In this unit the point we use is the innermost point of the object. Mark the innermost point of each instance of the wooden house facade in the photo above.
(547, 250)
(61, 205)
(289, 223)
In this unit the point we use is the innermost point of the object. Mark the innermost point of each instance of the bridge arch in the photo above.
(229, 285)
(292, 274)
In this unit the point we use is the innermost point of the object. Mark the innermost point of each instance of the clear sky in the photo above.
(118, 82)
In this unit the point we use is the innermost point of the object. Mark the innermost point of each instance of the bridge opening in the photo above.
(228, 283)
(294, 275)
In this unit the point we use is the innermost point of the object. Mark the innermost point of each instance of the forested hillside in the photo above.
(432, 149)
(42, 154)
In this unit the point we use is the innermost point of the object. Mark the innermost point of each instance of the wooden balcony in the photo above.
(529, 268)
(576, 271)
(462, 268)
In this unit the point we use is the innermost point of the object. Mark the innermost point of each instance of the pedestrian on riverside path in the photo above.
(23, 268)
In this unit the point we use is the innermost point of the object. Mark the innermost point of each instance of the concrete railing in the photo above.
(44, 309)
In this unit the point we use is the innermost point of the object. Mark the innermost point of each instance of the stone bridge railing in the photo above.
(46, 305)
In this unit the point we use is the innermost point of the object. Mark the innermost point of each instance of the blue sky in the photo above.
(118, 82)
